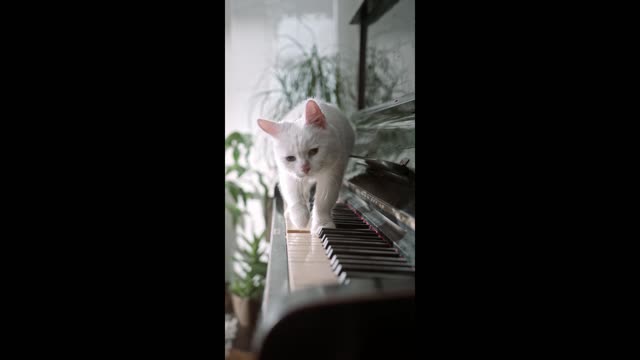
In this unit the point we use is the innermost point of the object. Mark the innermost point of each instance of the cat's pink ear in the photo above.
(314, 116)
(269, 127)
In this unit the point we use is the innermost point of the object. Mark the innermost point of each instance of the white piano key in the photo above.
(307, 261)
(311, 271)
(297, 285)
(299, 255)
(306, 248)
(304, 269)
(294, 229)
(303, 240)
(306, 251)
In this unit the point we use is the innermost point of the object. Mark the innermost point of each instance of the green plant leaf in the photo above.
(244, 196)
(238, 169)
(235, 212)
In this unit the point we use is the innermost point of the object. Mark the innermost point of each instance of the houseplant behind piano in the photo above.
(244, 184)
(248, 284)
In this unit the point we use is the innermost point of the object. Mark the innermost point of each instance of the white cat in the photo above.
(312, 144)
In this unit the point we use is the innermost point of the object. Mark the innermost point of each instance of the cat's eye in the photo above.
(290, 158)
(313, 151)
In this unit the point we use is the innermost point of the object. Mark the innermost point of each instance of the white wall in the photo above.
(229, 232)
(248, 54)
(257, 33)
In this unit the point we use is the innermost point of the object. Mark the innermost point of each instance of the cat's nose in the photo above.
(306, 167)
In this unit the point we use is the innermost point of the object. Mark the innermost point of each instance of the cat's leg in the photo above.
(293, 192)
(327, 190)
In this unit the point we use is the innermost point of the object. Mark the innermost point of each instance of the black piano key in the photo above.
(330, 231)
(354, 239)
(348, 247)
(380, 284)
(378, 244)
(370, 262)
(336, 261)
(375, 264)
(359, 245)
(374, 269)
(346, 275)
(368, 234)
(331, 250)
(338, 251)
(348, 221)
(341, 257)
(356, 225)
(356, 242)
(351, 226)
(354, 233)
(347, 231)
(347, 226)
(363, 230)
(360, 223)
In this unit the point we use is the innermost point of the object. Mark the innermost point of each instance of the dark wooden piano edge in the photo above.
(298, 303)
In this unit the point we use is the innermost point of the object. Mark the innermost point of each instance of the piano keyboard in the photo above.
(353, 250)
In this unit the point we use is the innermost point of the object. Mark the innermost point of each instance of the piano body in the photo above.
(350, 292)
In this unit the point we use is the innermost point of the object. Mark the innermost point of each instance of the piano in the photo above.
(349, 292)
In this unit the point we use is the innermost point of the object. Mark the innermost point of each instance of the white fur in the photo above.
(293, 136)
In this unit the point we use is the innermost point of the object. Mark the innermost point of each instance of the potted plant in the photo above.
(331, 78)
(243, 184)
(248, 284)
(310, 74)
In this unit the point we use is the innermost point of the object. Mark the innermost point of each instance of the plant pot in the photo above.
(227, 299)
(246, 310)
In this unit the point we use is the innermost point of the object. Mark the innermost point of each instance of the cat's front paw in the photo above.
(299, 216)
(317, 224)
